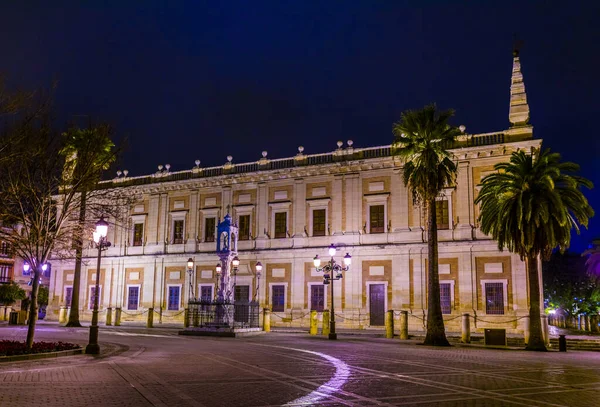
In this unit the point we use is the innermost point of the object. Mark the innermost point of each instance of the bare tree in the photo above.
(41, 192)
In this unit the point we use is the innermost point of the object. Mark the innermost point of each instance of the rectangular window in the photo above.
(319, 223)
(133, 298)
(209, 229)
(68, 296)
(92, 297)
(178, 231)
(173, 299)
(206, 293)
(5, 249)
(5, 273)
(377, 219)
(494, 298)
(446, 297)
(317, 297)
(441, 214)
(278, 298)
(138, 234)
(244, 227)
(280, 225)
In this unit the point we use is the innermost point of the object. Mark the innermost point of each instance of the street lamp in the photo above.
(329, 269)
(235, 262)
(190, 270)
(102, 244)
(258, 274)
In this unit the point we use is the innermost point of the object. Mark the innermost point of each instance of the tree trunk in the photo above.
(74, 313)
(536, 340)
(33, 307)
(436, 334)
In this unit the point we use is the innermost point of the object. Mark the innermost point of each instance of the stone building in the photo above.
(287, 211)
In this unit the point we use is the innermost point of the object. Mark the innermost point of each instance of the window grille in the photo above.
(494, 298)
(278, 298)
(5, 273)
(377, 219)
(173, 299)
(319, 222)
(206, 294)
(446, 297)
(68, 296)
(133, 299)
(92, 297)
(5, 249)
(317, 297)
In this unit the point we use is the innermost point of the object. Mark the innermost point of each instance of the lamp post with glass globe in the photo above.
(190, 270)
(102, 244)
(258, 274)
(329, 269)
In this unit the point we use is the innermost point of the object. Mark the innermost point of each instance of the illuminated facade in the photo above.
(287, 211)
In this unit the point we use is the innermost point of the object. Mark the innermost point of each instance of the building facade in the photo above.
(289, 210)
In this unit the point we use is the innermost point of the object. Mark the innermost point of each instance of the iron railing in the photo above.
(223, 315)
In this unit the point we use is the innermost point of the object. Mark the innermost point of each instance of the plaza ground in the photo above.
(157, 367)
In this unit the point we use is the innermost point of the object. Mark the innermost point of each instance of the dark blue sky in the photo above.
(188, 80)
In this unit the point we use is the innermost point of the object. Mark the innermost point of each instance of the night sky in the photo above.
(203, 80)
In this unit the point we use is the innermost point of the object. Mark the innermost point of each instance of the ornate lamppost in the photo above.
(190, 270)
(235, 263)
(257, 274)
(219, 291)
(329, 269)
(102, 244)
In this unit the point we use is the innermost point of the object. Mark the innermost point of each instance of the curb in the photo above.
(47, 355)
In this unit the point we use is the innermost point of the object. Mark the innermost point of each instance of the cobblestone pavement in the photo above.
(156, 367)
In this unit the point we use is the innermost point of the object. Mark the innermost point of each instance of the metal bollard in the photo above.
(562, 343)
(389, 324)
(109, 316)
(314, 323)
(118, 317)
(325, 329)
(267, 320)
(150, 321)
(526, 329)
(403, 325)
(466, 328)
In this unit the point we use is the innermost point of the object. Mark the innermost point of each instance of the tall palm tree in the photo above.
(530, 206)
(87, 153)
(421, 140)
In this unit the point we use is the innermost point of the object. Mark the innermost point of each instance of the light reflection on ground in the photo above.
(340, 377)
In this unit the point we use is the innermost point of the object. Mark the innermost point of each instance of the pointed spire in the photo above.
(519, 109)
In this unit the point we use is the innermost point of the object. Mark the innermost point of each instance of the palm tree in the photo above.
(421, 140)
(530, 206)
(87, 153)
